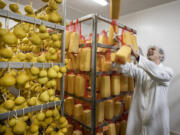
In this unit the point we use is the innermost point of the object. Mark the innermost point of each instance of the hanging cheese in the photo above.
(68, 35)
(102, 40)
(115, 84)
(123, 83)
(86, 117)
(123, 126)
(128, 100)
(115, 9)
(69, 105)
(105, 86)
(127, 38)
(109, 109)
(100, 112)
(130, 84)
(113, 56)
(74, 61)
(111, 35)
(71, 83)
(74, 42)
(106, 65)
(117, 108)
(79, 88)
(112, 129)
(85, 59)
(134, 42)
(117, 128)
(113, 29)
(69, 129)
(77, 132)
(98, 63)
(78, 111)
(123, 54)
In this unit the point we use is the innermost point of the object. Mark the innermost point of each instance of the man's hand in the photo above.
(134, 52)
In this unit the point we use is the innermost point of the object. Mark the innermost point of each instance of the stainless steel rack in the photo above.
(28, 109)
(95, 18)
(57, 27)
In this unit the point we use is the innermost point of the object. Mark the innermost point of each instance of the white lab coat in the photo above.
(149, 113)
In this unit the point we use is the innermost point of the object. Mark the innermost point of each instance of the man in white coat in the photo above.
(149, 113)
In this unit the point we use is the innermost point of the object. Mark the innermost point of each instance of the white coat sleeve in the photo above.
(129, 69)
(157, 73)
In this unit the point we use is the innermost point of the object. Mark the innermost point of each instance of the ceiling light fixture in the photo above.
(101, 2)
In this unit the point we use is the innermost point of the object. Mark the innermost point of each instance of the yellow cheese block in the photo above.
(115, 9)
(115, 84)
(98, 81)
(123, 83)
(130, 84)
(71, 83)
(74, 42)
(117, 108)
(117, 128)
(69, 105)
(86, 118)
(123, 54)
(100, 112)
(123, 126)
(106, 65)
(113, 57)
(68, 35)
(112, 129)
(134, 42)
(77, 132)
(109, 109)
(85, 59)
(112, 30)
(79, 89)
(74, 61)
(98, 63)
(128, 100)
(105, 86)
(69, 129)
(102, 40)
(78, 111)
(127, 38)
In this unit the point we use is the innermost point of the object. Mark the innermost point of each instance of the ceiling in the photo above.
(78, 8)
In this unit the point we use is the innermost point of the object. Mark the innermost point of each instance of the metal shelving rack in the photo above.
(17, 65)
(95, 18)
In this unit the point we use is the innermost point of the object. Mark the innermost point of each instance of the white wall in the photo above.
(161, 26)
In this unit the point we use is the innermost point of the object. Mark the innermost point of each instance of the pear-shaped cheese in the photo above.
(52, 73)
(44, 97)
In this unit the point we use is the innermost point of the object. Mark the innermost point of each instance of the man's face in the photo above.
(153, 54)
